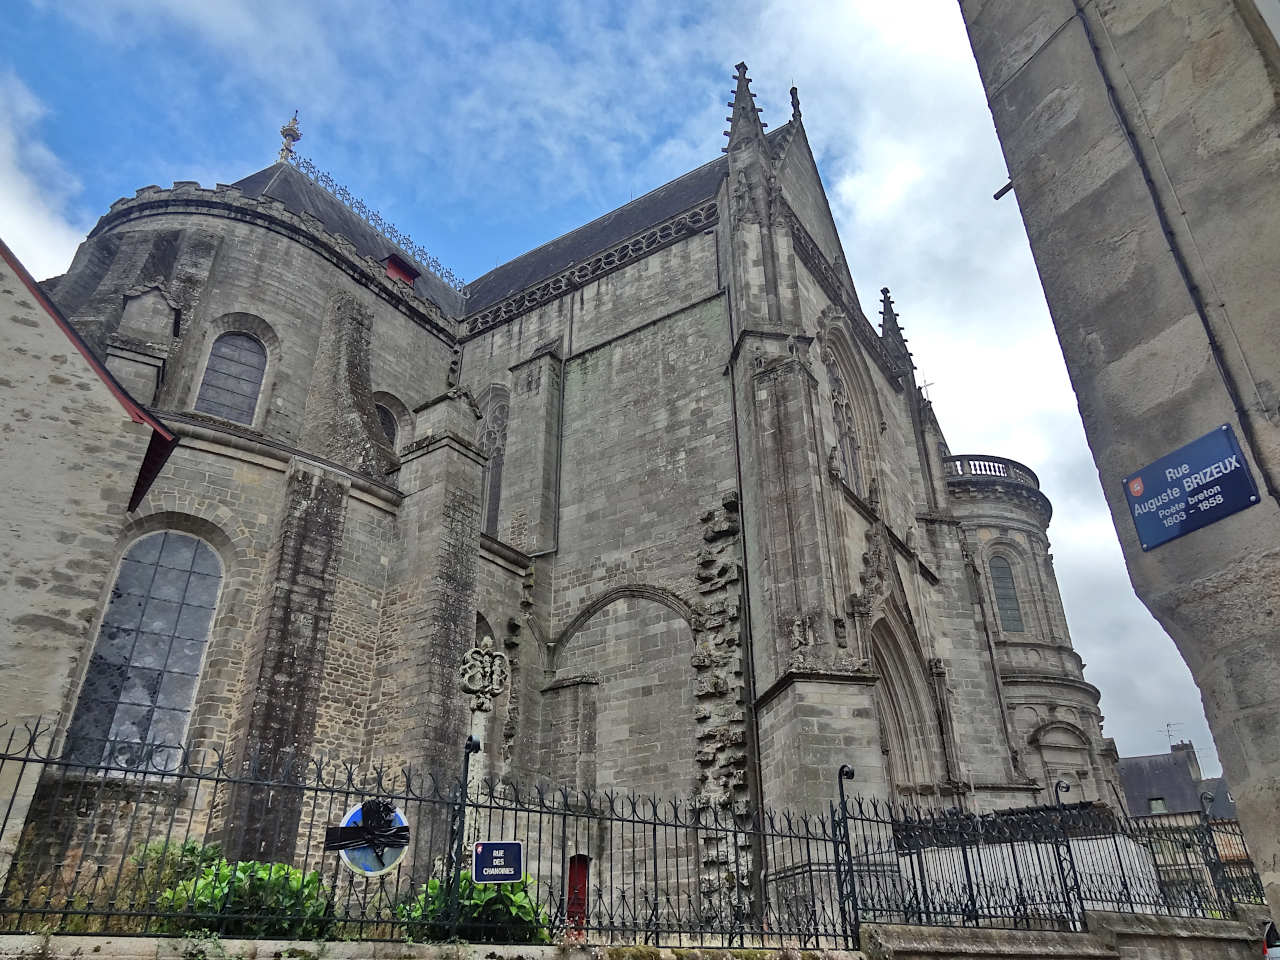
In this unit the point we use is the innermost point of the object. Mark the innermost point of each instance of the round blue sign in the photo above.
(365, 860)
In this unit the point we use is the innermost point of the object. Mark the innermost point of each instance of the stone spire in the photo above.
(891, 333)
(291, 135)
(744, 123)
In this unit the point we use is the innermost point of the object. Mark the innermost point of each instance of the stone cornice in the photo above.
(686, 224)
(1024, 676)
(215, 433)
(505, 552)
(999, 488)
(228, 202)
(850, 678)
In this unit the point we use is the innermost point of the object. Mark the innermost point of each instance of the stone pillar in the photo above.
(533, 452)
(432, 587)
(814, 697)
(288, 662)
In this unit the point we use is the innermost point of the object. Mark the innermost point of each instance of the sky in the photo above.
(485, 128)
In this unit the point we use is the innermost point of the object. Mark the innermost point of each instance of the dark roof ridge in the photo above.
(603, 216)
(613, 226)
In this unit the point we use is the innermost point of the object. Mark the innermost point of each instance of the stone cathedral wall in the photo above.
(240, 486)
(645, 454)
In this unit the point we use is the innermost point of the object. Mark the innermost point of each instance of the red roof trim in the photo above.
(135, 410)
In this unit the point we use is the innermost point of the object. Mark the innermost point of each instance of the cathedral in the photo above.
(654, 507)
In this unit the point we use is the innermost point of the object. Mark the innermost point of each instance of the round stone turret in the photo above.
(1052, 709)
(992, 481)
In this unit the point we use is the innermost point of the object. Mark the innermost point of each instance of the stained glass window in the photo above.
(1006, 595)
(141, 682)
(233, 378)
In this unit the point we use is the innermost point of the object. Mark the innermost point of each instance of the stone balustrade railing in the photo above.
(996, 468)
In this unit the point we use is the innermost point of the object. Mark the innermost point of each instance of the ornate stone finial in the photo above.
(795, 104)
(483, 674)
(291, 135)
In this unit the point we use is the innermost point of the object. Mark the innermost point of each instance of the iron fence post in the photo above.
(1068, 876)
(459, 834)
(846, 888)
(1213, 856)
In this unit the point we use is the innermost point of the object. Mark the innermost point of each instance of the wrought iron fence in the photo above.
(167, 841)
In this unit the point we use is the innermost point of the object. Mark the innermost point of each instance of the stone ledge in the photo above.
(893, 942)
(115, 947)
(1118, 926)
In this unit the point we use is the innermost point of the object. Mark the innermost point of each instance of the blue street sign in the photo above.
(1192, 487)
(497, 861)
(368, 860)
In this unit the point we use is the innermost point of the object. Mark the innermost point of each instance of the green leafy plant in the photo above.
(250, 899)
(487, 913)
(165, 863)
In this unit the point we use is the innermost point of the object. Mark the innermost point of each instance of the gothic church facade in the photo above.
(662, 475)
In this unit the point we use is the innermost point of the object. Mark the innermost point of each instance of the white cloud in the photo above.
(34, 216)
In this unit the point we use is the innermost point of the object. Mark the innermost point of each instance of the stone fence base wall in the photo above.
(1111, 936)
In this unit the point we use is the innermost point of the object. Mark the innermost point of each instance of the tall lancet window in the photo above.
(494, 403)
(1006, 592)
(846, 432)
(141, 683)
(233, 378)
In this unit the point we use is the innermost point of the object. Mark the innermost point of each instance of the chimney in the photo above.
(1193, 764)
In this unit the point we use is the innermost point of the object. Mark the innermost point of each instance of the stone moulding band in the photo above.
(705, 214)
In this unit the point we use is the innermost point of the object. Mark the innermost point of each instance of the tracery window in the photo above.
(491, 438)
(1006, 595)
(233, 377)
(846, 432)
(141, 682)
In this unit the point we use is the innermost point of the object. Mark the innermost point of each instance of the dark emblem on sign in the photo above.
(372, 837)
(1196, 485)
(497, 861)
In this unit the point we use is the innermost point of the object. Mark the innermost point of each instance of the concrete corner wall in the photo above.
(1143, 140)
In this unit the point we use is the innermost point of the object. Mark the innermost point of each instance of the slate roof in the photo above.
(1169, 775)
(614, 227)
(300, 194)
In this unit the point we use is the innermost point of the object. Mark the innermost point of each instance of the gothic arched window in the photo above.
(491, 438)
(233, 377)
(1006, 592)
(141, 682)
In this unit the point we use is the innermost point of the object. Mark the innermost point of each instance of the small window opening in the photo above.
(398, 269)
(1157, 805)
(388, 421)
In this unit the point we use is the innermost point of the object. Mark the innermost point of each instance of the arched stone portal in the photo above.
(910, 738)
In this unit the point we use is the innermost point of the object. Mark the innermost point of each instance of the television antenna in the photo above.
(1168, 730)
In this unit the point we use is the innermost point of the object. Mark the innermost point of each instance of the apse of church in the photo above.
(662, 477)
